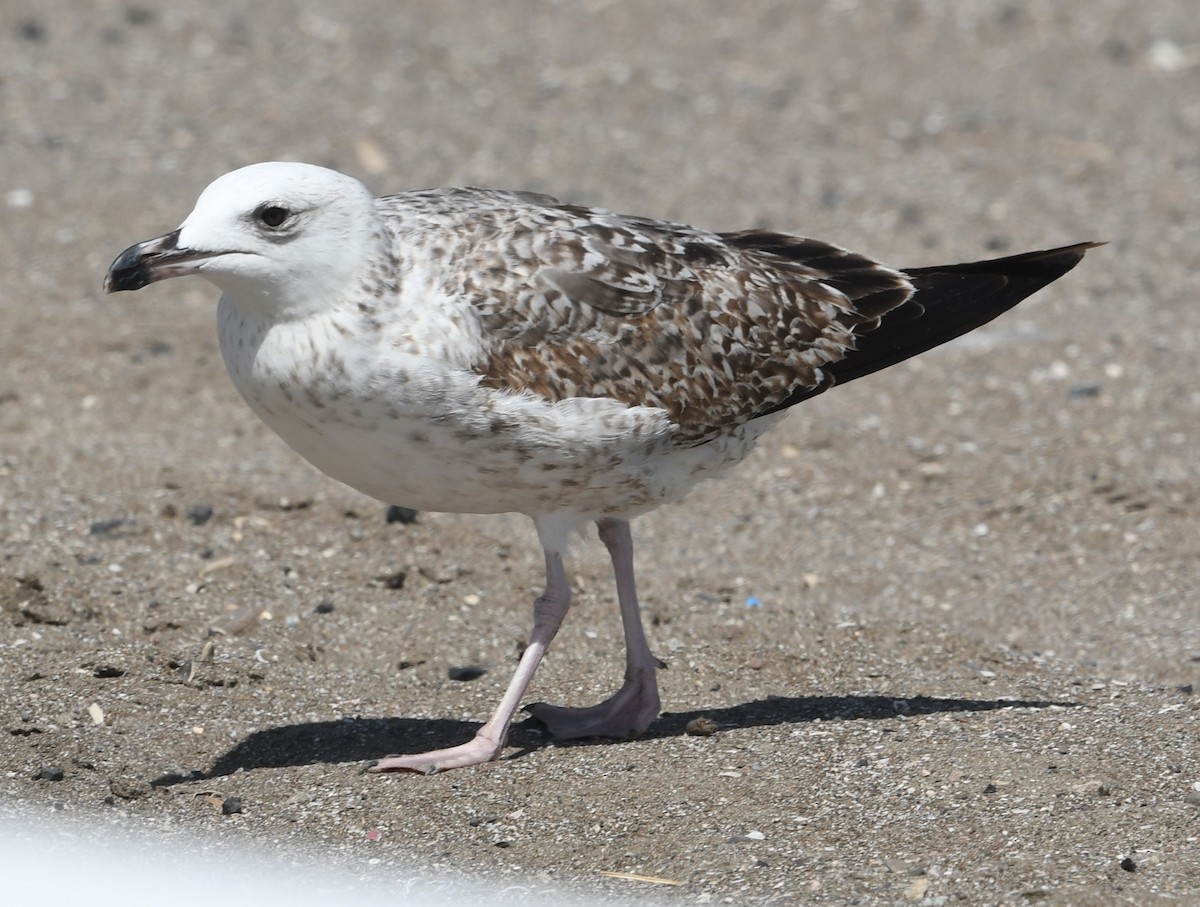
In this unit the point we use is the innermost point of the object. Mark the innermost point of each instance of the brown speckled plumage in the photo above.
(715, 329)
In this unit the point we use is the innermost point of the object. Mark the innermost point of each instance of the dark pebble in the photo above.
(32, 30)
(154, 347)
(107, 670)
(324, 608)
(51, 773)
(394, 580)
(1129, 865)
(231, 805)
(1084, 390)
(1117, 49)
(139, 15)
(104, 527)
(990, 789)
(466, 672)
(200, 514)
(402, 515)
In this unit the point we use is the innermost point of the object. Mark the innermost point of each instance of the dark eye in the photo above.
(273, 215)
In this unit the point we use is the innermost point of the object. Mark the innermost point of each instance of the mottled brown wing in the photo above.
(716, 329)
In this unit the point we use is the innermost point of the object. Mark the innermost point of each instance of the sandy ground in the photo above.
(971, 675)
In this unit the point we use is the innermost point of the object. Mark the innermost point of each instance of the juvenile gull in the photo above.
(483, 351)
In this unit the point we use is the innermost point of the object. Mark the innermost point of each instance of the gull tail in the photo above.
(948, 302)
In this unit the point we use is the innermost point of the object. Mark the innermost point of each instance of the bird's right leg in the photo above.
(548, 613)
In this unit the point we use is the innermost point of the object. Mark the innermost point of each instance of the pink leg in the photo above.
(548, 613)
(629, 711)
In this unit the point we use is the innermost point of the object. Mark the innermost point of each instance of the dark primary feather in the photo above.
(948, 301)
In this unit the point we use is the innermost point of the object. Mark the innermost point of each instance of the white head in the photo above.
(281, 237)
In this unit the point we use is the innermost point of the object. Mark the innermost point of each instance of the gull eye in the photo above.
(272, 215)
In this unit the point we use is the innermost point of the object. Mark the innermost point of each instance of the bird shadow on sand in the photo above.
(367, 739)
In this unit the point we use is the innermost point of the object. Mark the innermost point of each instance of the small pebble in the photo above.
(51, 773)
(1129, 865)
(402, 515)
(466, 672)
(1192, 798)
(200, 514)
(104, 527)
(700, 727)
(324, 608)
(18, 199)
(1166, 56)
(32, 30)
(231, 806)
(394, 580)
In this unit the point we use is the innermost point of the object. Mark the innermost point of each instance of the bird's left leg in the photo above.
(629, 711)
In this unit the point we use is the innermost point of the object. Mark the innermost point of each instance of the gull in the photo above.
(485, 351)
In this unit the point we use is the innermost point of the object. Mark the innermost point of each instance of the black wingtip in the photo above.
(1047, 263)
(950, 301)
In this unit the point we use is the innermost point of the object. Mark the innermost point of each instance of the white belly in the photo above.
(409, 430)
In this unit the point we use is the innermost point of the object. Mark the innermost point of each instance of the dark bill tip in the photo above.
(136, 266)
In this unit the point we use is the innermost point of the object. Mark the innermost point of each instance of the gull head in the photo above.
(285, 238)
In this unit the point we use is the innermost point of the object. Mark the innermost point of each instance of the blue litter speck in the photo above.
(753, 602)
